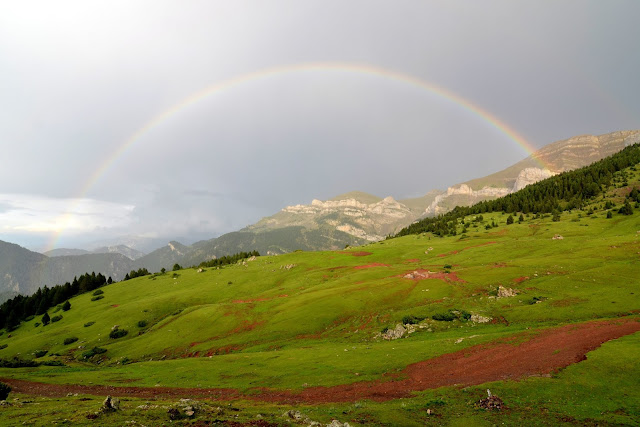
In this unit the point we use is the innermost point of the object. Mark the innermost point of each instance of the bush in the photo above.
(46, 319)
(35, 325)
(56, 318)
(40, 353)
(118, 333)
(96, 298)
(18, 363)
(29, 318)
(86, 325)
(142, 324)
(5, 389)
(70, 340)
(98, 292)
(3, 346)
(444, 317)
(66, 306)
(411, 320)
(94, 351)
(53, 363)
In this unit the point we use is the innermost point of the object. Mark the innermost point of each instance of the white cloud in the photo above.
(44, 215)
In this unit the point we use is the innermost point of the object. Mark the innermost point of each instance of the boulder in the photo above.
(395, 333)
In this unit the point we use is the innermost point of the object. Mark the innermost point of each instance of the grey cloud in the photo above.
(81, 78)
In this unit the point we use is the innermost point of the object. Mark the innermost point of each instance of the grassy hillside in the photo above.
(305, 319)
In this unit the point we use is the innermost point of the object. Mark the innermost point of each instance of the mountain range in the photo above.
(350, 219)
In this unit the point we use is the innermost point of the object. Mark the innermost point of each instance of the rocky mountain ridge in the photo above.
(557, 157)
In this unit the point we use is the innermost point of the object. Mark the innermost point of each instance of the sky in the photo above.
(189, 119)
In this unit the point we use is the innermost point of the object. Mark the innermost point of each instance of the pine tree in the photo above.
(46, 319)
(66, 306)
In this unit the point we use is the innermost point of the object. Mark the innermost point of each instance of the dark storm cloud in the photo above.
(80, 78)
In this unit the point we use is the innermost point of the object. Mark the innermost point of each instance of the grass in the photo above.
(319, 322)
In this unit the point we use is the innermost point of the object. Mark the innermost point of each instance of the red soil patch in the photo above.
(375, 264)
(359, 253)
(426, 274)
(412, 260)
(521, 279)
(115, 305)
(524, 355)
(499, 265)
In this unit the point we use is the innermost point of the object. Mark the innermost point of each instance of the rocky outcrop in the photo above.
(530, 176)
(469, 196)
(367, 218)
(395, 333)
(560, 156)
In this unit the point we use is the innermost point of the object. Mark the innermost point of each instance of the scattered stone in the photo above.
(115, 327)
(557, 237)
(293, 415)
(491, 402)
(336, 423)
(147, 407)
(506, 292)
(110, 404)
(199, 270)
(287, 267)
(253, 258)
(476, 318)
(395, 333)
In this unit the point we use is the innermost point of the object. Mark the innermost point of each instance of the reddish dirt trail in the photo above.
(520, 356)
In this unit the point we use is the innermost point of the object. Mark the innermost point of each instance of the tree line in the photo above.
(21, 307)
(565, 191)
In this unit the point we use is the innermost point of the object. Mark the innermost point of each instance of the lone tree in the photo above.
(510, 220)
(66, 306)
(46, 319)
(626, 209)
(176, 267)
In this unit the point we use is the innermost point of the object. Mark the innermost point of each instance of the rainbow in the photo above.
(263, 74)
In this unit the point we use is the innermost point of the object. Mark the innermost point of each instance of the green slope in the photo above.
(314, 318)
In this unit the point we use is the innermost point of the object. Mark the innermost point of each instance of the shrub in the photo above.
(86, 325)
(56, 318)
(46, 319)
(118, 333)
(447, 267)
(444, 317)
(176, 267)
(5, 389)
(3, 346)
(18, 363)
(53, 363)
(96, 298)
(94, 351)
(142, 324)
(98, 292)
(70, 340)
(412, 320)
(40, 353)
(66, 306)
(29, 318)
(35, 325)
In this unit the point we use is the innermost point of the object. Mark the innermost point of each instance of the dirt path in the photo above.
(520, 356)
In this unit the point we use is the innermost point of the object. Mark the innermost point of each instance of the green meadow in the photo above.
(315, 319)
